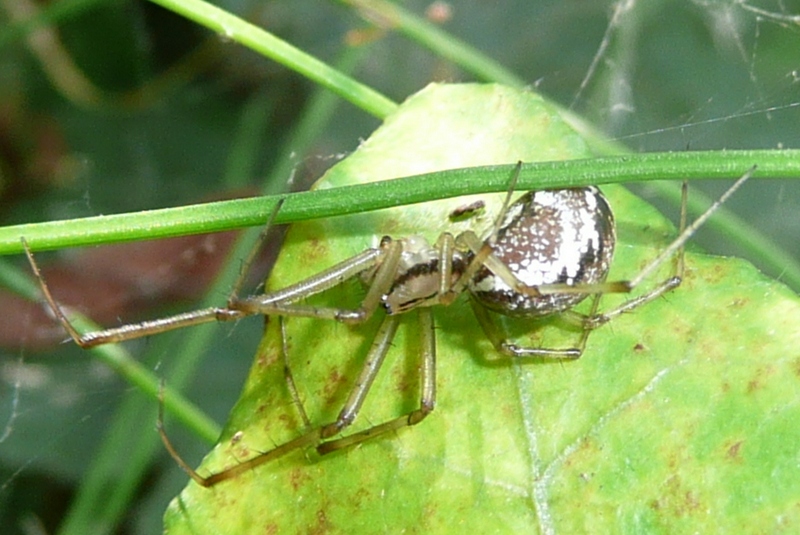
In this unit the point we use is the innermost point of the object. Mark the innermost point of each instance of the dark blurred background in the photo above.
(118, 105)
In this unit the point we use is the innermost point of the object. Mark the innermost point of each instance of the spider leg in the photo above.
(675, 247)
(289, 376)
(427, 370)
(592, 320)
(304, 440)
(310, 436)
(132, 331)
(254, 251)
(349, 412)
(150, 327)
(482, 256)
(282, 302)
(506, 347)
(445, 247)
(482, 249)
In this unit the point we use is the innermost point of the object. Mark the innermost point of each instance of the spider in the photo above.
(546, 252)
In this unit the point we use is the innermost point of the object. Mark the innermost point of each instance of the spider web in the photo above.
(655, 75)
(721, 89)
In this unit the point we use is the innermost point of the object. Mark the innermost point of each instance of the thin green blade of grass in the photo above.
(236, 29)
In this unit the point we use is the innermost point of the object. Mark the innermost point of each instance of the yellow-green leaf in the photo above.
(682, 415)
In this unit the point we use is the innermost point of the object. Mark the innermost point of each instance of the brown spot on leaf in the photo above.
(676, 500)
(691, 502)
(298, 477)
(322, 525)
(316, 251)
(753, 385)
(758, 380)
(734, 449)
(405, 384)
(332, 384)
(361, 496)
(739, 303)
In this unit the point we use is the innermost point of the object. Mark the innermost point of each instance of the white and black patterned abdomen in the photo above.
(561, 236)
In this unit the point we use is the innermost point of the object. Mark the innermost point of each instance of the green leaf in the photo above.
(681, 414)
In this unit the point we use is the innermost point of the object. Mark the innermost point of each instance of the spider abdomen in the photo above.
(563, 236)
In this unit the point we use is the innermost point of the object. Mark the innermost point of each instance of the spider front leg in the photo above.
(146, 328)
(677, 246)
(131, 331)
(283, 302)
(595, 320)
